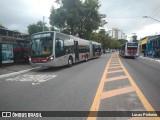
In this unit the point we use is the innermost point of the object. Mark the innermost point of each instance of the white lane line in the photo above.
(17, 73)
(35, 83)
(43, 79)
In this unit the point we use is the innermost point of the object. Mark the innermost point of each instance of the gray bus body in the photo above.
(53, 49)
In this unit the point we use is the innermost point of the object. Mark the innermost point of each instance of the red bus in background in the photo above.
(129, 49)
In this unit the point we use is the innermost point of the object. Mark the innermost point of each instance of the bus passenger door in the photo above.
(93, 51)
(59, 51)
(76, 50)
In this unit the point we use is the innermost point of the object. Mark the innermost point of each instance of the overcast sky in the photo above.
(122, 14)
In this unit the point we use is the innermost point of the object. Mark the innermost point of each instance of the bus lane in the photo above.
(118, 95)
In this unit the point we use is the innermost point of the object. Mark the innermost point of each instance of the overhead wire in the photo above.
(140, 19)
(127, 17)
(157, 15)
(153, 14)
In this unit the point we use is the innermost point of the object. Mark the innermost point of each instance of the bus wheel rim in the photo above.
(70, 61)
(86, 58)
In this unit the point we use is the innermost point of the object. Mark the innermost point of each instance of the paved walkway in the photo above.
(5, 69)
(14, 69)
(149, 58)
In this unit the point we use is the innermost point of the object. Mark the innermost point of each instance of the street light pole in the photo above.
(151, 18)
(43, 23)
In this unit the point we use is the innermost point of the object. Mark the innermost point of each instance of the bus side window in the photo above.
(59, 48)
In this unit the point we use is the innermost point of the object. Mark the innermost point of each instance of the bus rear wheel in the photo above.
(70, 62)
(86, 58)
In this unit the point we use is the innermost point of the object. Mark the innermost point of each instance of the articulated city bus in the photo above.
(53, 49)
(129, 49)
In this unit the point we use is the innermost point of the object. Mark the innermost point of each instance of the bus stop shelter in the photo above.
(12, 46)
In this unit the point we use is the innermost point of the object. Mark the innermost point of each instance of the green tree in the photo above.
(122, 41)
(91, 19)
(103, 38)
(115, 44)
(67, 16)
(38, 27)
(134, 38)
(2, 26)
(76, 17)
(106, 41)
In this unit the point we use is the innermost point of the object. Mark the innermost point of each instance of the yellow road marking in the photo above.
(97, 98)
(114, 57)
(115, 67)
(115, 78)
(143, 99)
(117, 92)
(114, 62)
(99, 95)
(115, 71)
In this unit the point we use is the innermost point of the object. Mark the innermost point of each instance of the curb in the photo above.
(17, 73)
(150, 59)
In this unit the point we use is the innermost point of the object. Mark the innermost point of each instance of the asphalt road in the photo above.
(146, 74)
(73, 89)
(69, 89)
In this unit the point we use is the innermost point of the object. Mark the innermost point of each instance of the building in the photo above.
(13, 46)
(124, 36)
(150, 45)
(117, 34)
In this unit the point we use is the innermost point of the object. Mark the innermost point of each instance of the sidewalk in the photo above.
(149, 58)
(13, 69)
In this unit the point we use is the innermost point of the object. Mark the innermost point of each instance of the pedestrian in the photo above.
(144, 53)
(159, 53)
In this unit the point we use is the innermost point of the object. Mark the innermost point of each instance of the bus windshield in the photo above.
(41, 46)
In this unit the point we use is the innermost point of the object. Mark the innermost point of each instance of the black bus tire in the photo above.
(86, 58)
(70, 62)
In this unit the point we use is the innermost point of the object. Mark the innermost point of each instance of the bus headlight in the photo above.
(51, 58)
(30, 59)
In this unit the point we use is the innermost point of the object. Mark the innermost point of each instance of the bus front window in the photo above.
(41, 47)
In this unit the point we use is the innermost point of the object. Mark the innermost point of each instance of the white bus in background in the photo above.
(53, 49)
(129, 49)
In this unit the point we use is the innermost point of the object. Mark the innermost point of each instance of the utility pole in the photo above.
(43, 23)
